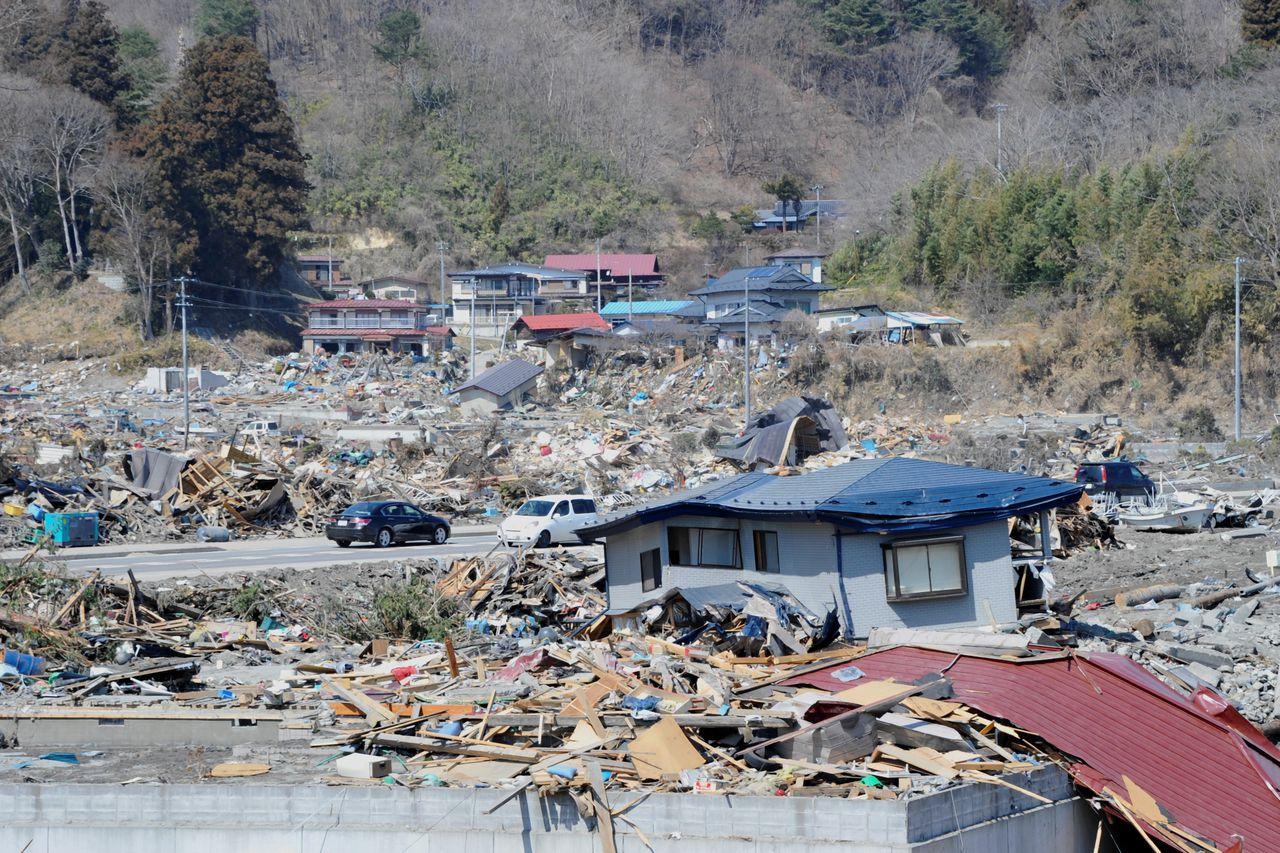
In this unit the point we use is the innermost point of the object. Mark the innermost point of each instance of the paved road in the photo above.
(194, 558)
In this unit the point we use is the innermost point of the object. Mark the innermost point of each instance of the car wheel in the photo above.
(544, 540)
(385, 538)
(440, 535)
(343, 543)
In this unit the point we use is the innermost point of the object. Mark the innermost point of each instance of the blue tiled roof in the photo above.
(659, 306)
(785, 278)
(890, 495)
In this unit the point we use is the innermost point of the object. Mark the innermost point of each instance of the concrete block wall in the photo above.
(807, 552)
(255, 818)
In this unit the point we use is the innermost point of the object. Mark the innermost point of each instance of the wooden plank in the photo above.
(427, 744)
(373, 709)
(918, 758)
(604, 817)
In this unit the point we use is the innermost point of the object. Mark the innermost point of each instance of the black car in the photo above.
(384, 523)
(1118, 477)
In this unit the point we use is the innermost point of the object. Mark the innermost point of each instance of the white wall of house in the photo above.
(807, 554)
(478, 403)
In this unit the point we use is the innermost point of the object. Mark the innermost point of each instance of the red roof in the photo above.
(367, 334)
(563, 322)
(366, 303)
(1211, 770)
(618, 266)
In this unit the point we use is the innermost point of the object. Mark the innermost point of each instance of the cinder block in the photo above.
(360, 766)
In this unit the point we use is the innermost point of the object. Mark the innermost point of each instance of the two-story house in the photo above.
(808, 261)
(323, 272)
(891, 542)
(500, 294)
(759, 297)
(616, 273)
(364, 325)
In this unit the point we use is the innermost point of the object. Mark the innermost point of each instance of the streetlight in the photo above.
(817, 188)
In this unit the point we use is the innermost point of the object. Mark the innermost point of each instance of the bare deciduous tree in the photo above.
(72, 132)
(18, 174)
(126, 189)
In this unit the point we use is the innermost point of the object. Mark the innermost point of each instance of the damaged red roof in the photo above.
(1212, 771)
(563, 322)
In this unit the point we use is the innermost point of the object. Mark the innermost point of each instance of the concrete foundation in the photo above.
(249, 818)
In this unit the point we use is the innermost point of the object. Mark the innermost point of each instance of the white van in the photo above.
(548, 520)
(261, 429)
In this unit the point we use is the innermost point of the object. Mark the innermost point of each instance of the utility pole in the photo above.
(186, 378)
(746, 351)
(817, 188)
(1000, 109)
(330, 259)
(473, 327)
(441, 247)
(1237, 348)
(631, 300)
(599, 305)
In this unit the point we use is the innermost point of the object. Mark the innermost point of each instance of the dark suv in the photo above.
(385, 523)
(1119, 477)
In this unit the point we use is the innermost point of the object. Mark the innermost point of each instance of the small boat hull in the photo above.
(1183, 519)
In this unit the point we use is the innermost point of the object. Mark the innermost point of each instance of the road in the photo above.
(184, 559)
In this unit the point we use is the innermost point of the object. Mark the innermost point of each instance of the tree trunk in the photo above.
(146, 294)
(62, 214)
(17, 247)
(75, 227)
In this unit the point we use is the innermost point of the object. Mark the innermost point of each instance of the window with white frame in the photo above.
(925, 568)
(707, 547)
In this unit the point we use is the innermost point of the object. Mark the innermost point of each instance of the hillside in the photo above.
(1135, 153)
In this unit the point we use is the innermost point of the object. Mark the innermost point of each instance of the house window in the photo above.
(708, 547)
(650, 570)
(925, 568)
(766, 550)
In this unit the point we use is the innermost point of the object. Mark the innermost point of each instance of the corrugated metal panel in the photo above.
(1211, 774)
(660, 306)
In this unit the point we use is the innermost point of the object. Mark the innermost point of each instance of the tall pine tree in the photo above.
(88, 47)
(231, 177)
(1260, 22)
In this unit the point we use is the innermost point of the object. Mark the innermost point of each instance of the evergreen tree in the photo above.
(141, 60)
(89, 47)
(1260, 22)
(789, 190)
(230, 176)
(227, 18)
(857, 23)
(499, 205)
(399, 37)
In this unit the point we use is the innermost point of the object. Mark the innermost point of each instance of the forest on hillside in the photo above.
(1137, 153)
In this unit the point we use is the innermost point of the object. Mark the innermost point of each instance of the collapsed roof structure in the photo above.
(792, 430)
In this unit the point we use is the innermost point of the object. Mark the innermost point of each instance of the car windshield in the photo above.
(362, 508)
(535, 508)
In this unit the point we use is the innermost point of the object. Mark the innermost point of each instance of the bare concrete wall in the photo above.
(256, 818)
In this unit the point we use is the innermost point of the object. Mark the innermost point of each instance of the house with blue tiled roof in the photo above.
(891, 542)
(757, 298)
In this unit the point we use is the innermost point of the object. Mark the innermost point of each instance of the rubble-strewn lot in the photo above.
(505, 671)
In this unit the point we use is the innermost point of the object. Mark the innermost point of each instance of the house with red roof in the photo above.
(370, 325)
(616, 272)
(567, 338)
